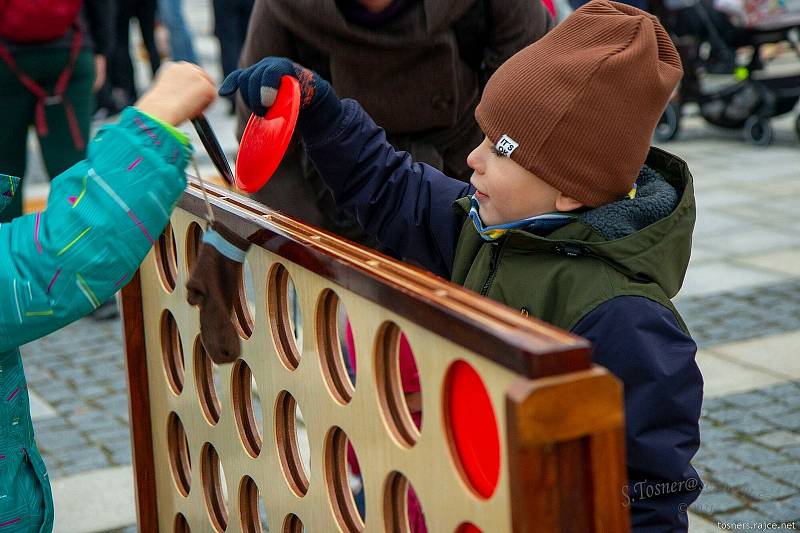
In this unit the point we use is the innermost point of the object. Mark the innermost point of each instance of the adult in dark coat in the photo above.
(378, 51)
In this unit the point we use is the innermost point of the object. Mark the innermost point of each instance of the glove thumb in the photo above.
(230, 85)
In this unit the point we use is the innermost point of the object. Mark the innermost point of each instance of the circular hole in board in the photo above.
(285, 317)
(335, 346)
(398, 384)
(172, 352)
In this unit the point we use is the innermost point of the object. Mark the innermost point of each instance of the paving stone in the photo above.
(750, 399)
(752, 426)
(789, 473)
(785, 510)
(94, 391)
(775, 408)
(713, 318)
(84, 462)
(779, 439)
(723, 416)
(121, 456)
(747, 516)
(790, 389)
(752, 454)
(720, 465)
(72, 407)
(711, 503)
(51, 424)
(55, 394)
(56, 440)
(117, 408)
(793, 451)
(775, 353)
(790, 421)
(757, 486)
(112, 428)
(712, 404)
(117, 442)
(106, 370)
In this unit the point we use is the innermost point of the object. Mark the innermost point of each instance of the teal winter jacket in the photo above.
(102, 216)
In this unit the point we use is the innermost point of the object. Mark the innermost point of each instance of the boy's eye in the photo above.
(497, 152)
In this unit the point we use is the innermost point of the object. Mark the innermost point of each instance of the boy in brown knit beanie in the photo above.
(571, 216)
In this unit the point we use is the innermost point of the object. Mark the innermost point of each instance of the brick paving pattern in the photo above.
(742, 314)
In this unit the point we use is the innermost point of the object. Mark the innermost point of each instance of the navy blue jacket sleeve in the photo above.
(407, 206)
(641, 343)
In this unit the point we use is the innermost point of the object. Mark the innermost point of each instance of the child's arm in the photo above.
(641, 342)
(102, 216)
(406, 205)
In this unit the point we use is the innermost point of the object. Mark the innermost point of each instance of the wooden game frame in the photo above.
(560, 419)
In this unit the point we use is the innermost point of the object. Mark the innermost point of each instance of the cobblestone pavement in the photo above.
(743, 314)
(750, 457)
(741, 300)
(80, 372)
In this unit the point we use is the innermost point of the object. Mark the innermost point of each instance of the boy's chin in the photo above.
(491, 220)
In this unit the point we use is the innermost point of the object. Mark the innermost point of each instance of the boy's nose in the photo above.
(475, 160)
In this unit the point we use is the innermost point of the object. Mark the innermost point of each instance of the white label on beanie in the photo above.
(506, 145)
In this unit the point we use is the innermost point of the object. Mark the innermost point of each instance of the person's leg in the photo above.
(146, 14)
(180, 38)
(104, 100)
(16, 106)
(225, 28)
(58, 148)
(121, 68)
(242, 19)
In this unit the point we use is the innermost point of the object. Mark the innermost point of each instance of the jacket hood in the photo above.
(647, 238)
(417, 22)
(8, 188)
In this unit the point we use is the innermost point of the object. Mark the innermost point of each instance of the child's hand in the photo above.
(259, 83)
(180, 91)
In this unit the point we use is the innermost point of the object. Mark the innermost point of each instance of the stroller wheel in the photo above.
(669, 125)
(758, 131)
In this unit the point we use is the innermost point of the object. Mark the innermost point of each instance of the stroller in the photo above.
(752, 99)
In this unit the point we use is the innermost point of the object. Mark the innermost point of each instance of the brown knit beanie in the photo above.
(578, 107)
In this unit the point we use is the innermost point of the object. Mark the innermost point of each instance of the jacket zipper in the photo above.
(497, 249)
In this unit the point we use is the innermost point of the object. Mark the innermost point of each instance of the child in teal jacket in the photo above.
(102, 216)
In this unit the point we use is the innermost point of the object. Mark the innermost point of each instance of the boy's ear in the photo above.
(567, 203)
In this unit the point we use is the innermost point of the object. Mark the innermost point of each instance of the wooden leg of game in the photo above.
(567, 453)
(139, 405)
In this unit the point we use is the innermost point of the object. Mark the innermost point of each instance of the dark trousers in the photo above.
(17, 108)
(230, 26)
(121, 67)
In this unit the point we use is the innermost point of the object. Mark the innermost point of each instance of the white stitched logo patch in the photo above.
(506, 145)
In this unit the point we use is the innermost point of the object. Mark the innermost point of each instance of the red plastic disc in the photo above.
(473, 428)
(265, 140)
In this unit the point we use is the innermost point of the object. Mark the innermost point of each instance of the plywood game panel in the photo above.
(316, 427)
